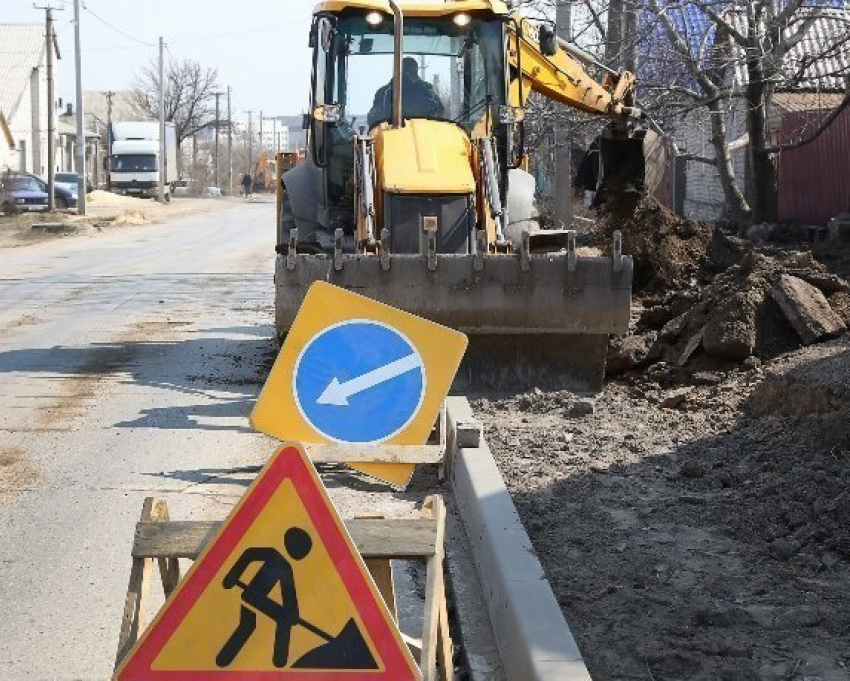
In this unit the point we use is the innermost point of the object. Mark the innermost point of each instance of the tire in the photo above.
(8, 209)
(61, 203)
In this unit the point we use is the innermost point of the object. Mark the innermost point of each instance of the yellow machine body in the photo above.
(428, 157)
(415, 210)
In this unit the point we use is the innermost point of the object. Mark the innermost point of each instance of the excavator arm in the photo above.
(560, 76)
(630, 156)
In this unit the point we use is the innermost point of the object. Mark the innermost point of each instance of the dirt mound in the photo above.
(712, 300)
(131, 217)
(669, 251)
(107, 199)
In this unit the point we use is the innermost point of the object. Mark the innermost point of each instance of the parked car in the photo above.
(21, 193)
(63, 197)
(182, 187)
(69, 181)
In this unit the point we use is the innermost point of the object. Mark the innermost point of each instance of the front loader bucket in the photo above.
(516, 308)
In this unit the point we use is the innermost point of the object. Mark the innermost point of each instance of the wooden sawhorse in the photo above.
(379, 541)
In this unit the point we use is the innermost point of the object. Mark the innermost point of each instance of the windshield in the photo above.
(67, 178)
(450, 72)
(134, 163)
(24, 184)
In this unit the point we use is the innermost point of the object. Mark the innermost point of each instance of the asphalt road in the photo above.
(129, 362)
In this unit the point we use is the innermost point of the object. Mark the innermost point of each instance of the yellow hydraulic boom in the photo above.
(557, 74)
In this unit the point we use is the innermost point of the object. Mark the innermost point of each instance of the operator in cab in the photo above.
(419, 98)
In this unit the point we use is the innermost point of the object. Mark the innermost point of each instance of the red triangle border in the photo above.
(289, 463)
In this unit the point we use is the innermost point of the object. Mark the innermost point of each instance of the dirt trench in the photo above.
(693, 533)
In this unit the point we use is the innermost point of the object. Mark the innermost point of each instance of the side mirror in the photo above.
(327, 113)
(548, 40)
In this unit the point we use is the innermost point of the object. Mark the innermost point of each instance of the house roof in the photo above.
(821, 58)
(807, 65)
(21, 50)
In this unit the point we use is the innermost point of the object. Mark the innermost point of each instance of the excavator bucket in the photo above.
(632, 163)
(533, 318)
(623, 164)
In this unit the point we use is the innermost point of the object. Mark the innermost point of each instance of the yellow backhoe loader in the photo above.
(414, 191)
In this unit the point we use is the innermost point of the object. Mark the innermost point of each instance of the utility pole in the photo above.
(50, 39)
(250, 141)
(229, 145)
(81, 131)
(563, 135)
(262, 141)
(109, 95)
(275, 140)
(215, 170)
(162, 158)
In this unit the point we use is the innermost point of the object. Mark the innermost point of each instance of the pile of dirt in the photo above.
(758, 309)
(669, 251)
(130, 217)
(712, 300)
(105, 199)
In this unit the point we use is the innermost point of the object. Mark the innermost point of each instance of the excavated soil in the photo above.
(707, 298)
(694, 518)
(669, 251)
(693, 533)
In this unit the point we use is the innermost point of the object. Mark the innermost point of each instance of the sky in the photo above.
(259, 47)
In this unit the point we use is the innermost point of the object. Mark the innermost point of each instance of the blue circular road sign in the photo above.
(359, 382)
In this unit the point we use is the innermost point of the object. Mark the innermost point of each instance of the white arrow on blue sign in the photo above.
(359, 382)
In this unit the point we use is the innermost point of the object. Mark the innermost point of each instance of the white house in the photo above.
(274, 136)
(23, 97)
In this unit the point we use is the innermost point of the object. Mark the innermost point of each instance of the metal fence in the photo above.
(814, 180)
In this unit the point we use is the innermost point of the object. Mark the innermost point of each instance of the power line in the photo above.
(231, 34)
(116, 29)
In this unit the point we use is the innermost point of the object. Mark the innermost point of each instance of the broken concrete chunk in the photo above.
(673, 329)
(806, 309)
(826, 282)
(691, 347)
(675, 398)
(731, 331)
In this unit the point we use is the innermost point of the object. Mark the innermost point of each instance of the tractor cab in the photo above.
(451, 69)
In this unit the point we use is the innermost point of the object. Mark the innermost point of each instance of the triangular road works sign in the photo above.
(280, 593)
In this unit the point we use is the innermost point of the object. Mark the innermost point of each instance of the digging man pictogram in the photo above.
(275, 570)
(346, 650)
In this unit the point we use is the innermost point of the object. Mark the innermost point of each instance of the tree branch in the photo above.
(721, 22)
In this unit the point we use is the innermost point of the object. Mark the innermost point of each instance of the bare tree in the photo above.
(725, 61)
(189, 99)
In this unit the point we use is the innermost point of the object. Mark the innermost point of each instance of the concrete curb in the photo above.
(534, 640)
